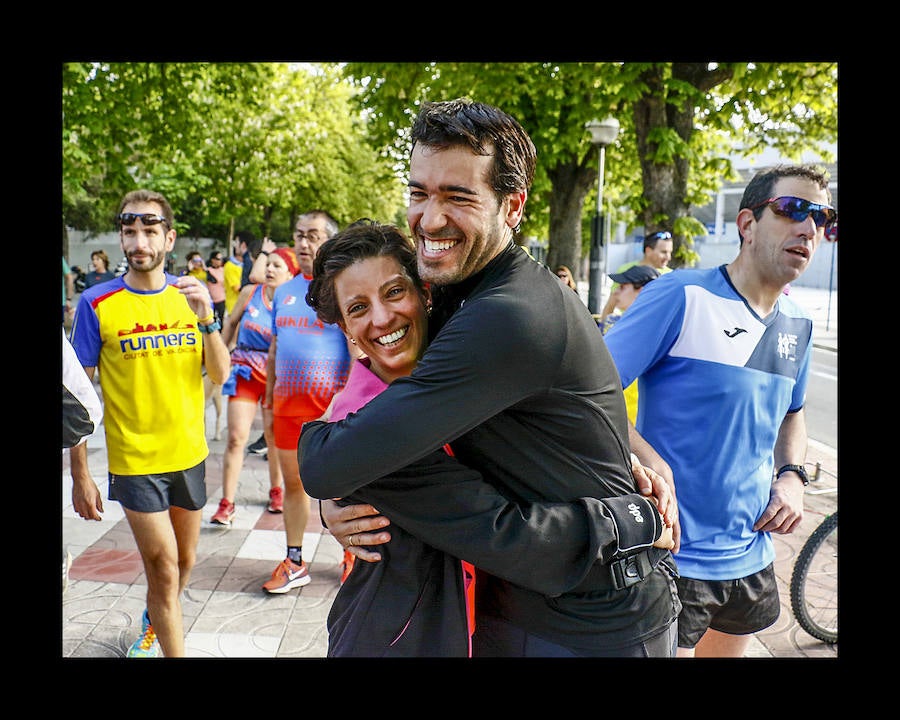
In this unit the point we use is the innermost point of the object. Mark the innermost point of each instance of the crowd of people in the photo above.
(526, 507)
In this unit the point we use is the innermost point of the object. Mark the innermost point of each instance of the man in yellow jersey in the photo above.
(234, 268)
(150, 333)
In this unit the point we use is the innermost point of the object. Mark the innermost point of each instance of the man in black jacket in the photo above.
(518, 379)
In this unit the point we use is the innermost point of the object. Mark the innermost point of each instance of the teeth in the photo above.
(392, 337)
(438, 245)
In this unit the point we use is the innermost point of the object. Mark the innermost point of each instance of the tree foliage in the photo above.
(232, 145)
(249, 145)
(680, 125)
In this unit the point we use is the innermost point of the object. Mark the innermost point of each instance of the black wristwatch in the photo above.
(799, 469)
(211, 328)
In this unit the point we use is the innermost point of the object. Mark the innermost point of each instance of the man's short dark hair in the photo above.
(249, 239)
(484, 129)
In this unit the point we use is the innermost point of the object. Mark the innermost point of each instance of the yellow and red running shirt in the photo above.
(149, 353)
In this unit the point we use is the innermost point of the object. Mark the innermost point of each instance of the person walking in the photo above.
(308, 363)
(630, 283)
(256, 273)
(234, 266)
(733, 351)
(150, 334)
(248, 331)
(657, 255)
(216, 269)
(546, 397)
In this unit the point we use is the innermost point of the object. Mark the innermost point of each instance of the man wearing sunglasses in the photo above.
(722, 359)
(150, 333)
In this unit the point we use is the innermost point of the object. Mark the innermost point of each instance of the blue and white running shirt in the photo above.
(715, 382)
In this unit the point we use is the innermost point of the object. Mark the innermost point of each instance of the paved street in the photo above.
(228, 615)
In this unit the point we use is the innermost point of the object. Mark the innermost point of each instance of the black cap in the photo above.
(636, 274)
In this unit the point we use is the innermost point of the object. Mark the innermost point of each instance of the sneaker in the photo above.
(259, 447)
(225, 514)
(146, 646)
(347, 565)
(287, 576)
(276, 500)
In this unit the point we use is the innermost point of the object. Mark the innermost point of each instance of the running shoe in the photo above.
(276, 500)
(346, 565)
(146, 646)
(259, 447)
(225, 514)
(287, 576)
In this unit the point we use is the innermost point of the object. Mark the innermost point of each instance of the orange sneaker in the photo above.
(347, 565)
(287, 576)
(276, 500)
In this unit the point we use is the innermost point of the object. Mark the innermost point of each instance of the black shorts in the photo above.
(736, 607)
(157, 492)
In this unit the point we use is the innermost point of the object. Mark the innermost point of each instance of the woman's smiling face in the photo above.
(384, 314)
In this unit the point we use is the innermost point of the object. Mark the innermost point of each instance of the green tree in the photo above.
(680, 124)
(233, 145)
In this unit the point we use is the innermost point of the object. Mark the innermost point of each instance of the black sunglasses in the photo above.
(798, 209)
(660, 235)
(145, 218)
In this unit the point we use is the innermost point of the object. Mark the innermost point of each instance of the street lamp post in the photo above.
(602, 134)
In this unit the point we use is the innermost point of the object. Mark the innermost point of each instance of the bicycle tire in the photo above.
(814, 587)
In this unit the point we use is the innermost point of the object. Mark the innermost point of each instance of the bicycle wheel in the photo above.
(814, 587)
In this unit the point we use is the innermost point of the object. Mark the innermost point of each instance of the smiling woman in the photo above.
(368, 285)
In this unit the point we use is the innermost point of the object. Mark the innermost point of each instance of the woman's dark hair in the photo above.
(360, 240)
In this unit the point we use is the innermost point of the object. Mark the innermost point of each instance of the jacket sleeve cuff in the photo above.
(637, 523)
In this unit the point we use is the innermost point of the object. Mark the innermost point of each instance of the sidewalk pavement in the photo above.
(226, 612)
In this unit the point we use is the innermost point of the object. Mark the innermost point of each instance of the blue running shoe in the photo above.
(146, 646)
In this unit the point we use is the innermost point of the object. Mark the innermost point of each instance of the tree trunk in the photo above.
(570, 183)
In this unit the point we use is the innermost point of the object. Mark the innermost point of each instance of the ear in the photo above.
(745, 222)
(515, 208)
(170, 240)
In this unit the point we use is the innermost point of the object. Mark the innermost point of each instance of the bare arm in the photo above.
(233, 321)
(258, 271)
(611, 304)
(270, 373)
(653, 483)
(215, 353)
(85, 494)
(785, 509)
